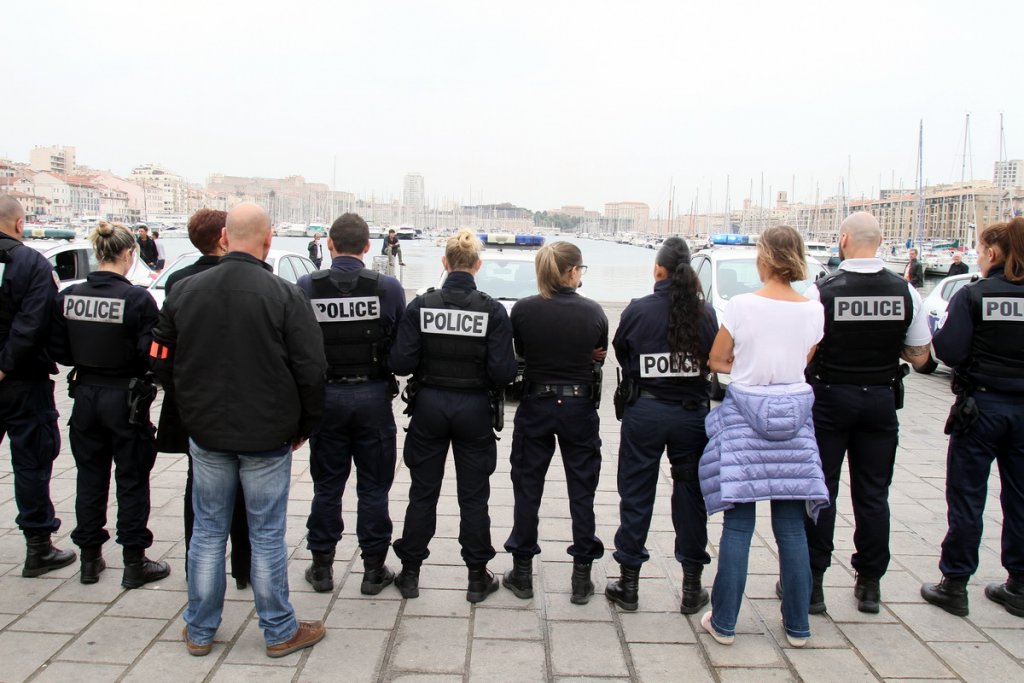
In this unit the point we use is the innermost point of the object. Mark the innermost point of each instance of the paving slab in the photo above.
(893, 651)
(431, 644)
(22, 653)
(586, 648)
(977, 662)
(507, 661)
(115, 640)
(655, 663)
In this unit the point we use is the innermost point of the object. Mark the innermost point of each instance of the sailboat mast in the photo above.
(920, 184)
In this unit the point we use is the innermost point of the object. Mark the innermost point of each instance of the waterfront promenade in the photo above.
(55, 629)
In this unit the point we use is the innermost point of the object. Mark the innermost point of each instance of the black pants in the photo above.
(574, 422)
(101, 436)
(462, 419)
(649, 428)
(241, 548)
(358, 426)
(28, 416)
(859, 421)
(999, 436)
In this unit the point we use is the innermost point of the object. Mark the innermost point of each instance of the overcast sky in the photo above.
(537, 103)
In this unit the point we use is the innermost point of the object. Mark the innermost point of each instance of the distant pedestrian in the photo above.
(958, 267)
(983, 341)
(104, 327)
(761, 439)
(914, 274)
(161, 256)
(393, 247)
(562, 337)
(147, 248)
(267, 357)
(28, 415)
(316, 250)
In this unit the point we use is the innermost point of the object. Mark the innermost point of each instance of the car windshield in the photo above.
(954, 287)
(183, 262)
(739, 276)
(507, 279)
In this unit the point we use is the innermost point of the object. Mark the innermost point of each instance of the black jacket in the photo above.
(27, 294)
(246, 356)
(148, 252)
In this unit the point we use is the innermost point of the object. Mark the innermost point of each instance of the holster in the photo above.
(627, 391)
(496, 399)
(898, 390)
(392, 385)
(72, 382)
(595, 392)
(141, 394)
(412, 388)
(962, 416)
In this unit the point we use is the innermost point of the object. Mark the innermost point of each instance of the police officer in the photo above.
(662, 343)
(358, 310)
(872, 320)
(104, 327)
(457, 343)
(27, 411)
(983, 341)
(560, 393)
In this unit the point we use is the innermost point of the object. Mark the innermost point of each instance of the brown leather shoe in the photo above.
(310, 633)
(195, 649)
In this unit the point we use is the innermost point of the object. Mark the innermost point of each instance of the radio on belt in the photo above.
(450, 321)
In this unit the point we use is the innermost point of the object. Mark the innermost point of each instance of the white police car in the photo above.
(73, 259)
(286, 264)
(934, 305)
(728, 268)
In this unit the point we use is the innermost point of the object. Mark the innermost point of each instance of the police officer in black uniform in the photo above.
(457, 343)
(358, 311)
(104, 327)
(562, 336)
(662, 343)
(27, 412)
(983, 341)
(872, 319)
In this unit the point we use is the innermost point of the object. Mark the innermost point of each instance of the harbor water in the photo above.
(615, 272)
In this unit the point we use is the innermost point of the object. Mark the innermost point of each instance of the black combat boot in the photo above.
(408, 581)
(817, 605)
(481, 584)
(868, 593)
(519, 579)
(695, 595)
(949, 594)
(42, 557)
(625, 592)
(92, 564)
(1010, 595)
(582, 586)
(320, 574)
(376, 576)
(140, 570)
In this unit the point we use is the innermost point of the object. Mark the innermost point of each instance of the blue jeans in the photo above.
(265, 479)
(795, 568)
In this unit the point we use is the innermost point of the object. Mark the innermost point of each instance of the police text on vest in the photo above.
(858, 308)
(346, 309)
(94, 309)
(667, 365)
(449, 321)
(1004, 308)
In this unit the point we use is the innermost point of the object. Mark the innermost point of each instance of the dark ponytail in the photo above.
(687, 312)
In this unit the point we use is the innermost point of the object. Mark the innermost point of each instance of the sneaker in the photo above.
(796, 642)
(705, 621)
(195, 649)
(310, 633)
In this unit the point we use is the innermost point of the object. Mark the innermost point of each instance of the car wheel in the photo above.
(717, 390)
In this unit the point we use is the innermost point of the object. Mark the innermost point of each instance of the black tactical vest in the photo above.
(347, 306)
(7, 307)
(867, 316)
(453, 326)
(997, 309)
(100, 340)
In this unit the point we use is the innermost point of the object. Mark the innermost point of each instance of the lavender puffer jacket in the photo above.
(761, 447)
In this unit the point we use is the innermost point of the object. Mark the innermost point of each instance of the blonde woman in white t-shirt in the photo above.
(761, 439)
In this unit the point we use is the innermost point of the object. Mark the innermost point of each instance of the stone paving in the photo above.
(55, 629)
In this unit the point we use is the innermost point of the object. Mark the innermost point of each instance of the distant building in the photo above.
(52, 159)
(1009, 174)
(288, 200)
(627, 216)
(413, 199)
(165, 193)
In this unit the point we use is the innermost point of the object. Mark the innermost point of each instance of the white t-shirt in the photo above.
(772, 338)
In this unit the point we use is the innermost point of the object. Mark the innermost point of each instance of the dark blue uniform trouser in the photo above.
(28, 416)
(101, 435)
(649, 427)
(859, 421)
(998, 435)
(358, 426)
(462, 419)
(575, 423)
